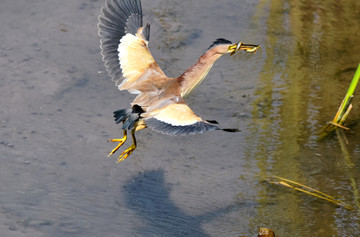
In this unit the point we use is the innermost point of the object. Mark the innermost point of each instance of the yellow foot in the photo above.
(126, 153)
(121, 142)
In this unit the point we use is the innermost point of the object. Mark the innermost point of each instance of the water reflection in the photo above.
(312, 51)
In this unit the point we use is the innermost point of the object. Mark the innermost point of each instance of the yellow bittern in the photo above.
(159, 104)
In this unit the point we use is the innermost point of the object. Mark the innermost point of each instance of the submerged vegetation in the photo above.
(308, 190)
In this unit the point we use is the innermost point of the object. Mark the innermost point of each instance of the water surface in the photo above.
(56, 115)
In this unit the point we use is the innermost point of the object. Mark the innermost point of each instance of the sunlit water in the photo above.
(56, 115)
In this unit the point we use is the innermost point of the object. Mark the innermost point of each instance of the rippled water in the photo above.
(56, 115)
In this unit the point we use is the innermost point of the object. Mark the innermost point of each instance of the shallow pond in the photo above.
(56, 116)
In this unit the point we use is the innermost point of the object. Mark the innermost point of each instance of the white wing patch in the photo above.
(134, 57)
(175, 114)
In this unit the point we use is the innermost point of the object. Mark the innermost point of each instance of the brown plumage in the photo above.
(159, 104)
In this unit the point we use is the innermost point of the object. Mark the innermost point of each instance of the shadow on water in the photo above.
(149, 196)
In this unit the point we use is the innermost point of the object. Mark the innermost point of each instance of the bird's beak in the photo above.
(250, 48)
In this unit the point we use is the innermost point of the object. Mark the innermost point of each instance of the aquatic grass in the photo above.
(344, 109)
(308, 190)
(337, 124)
(345, 106)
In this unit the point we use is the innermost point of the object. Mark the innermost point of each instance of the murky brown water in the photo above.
(56, 115)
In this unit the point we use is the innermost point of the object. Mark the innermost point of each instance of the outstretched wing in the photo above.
(124, 43)
(177, 119)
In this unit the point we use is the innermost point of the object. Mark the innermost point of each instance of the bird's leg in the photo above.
(130, 150)
(121, 142)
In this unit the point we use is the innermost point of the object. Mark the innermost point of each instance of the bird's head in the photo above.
(225, 46)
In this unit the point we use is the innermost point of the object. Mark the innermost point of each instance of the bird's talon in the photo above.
(121, 142)
(126, 153)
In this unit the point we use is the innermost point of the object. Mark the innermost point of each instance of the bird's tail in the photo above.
(121, 115)
(128, 116)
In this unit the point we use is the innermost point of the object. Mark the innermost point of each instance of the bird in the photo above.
(159, 102)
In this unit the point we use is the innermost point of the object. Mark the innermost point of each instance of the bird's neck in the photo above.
(197, 72)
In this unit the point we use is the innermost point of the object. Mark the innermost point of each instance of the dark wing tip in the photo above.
(117, 18)
(133, 23)
(169, 129)
(231, 130)
(212, 121)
